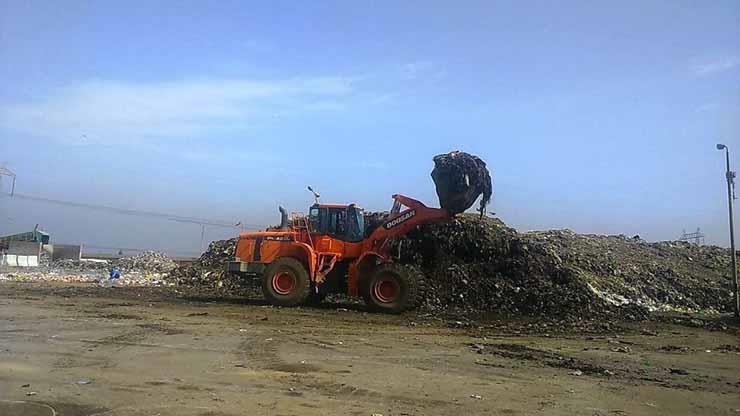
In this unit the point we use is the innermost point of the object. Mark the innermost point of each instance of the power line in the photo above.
(135, 212)
(187, 253)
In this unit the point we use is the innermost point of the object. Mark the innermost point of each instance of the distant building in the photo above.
(23, 249)
(35, 236)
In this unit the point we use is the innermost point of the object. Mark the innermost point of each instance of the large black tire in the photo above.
(286, 282)
(393, 288)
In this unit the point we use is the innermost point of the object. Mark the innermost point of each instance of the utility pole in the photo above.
(202, 235)
(730, 175)
(7, 172)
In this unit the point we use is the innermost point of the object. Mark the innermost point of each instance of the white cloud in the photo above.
(713, 66)
(425, 70)
(413, 70)
(707, 107)
(112, 111)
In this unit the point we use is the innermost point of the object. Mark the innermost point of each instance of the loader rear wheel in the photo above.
(393, 288)
(286, 282)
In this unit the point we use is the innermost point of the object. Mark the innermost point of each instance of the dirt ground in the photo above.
(74, 350)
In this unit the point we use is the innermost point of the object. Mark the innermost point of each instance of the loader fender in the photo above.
(301, 252)
(361, 269)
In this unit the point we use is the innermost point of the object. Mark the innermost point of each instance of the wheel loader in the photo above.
(332, 250)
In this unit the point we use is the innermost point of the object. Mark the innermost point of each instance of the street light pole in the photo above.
(730, 175)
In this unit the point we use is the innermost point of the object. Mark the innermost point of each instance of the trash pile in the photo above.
(82, 265)
(44, 259)
(667, 275)
(146, 261)
(35, 274)
(373, 220)
(478, 265)
(209, 271)
(148, 268)
(460, 178)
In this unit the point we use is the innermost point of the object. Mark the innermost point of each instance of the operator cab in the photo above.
(343, 222)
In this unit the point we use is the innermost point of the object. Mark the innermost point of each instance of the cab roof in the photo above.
(334, 206)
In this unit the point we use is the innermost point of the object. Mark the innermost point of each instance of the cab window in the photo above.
(314, 216)
(356, 228)
(338, 222)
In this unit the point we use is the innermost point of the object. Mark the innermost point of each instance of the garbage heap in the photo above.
(147, 261)
(209, 271)
(478, 265)
(144, 262)
(148, 268)
(82, 265)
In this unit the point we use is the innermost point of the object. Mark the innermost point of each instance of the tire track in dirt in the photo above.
(621, 370)
(301, 378)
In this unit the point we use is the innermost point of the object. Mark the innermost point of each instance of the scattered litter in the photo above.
(84, 382)
(478, 348)
(148, 268)
(476, 396)
(576, 373)
(729, 348)
(31, 393)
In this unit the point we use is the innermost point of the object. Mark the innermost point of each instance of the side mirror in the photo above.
(316, 196)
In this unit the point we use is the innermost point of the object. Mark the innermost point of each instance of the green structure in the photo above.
(36, 236)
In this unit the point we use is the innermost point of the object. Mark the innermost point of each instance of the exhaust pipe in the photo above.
(283, 218)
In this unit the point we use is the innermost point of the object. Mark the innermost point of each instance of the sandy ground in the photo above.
(85, 350)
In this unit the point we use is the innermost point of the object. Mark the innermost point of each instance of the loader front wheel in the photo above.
(286, 282)
(393, 288)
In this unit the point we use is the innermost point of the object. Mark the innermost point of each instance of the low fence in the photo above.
(28, 253)
(21, 254)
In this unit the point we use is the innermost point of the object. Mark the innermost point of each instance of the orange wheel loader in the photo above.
(330, 250)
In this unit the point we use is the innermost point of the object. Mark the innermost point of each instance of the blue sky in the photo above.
(596, 116)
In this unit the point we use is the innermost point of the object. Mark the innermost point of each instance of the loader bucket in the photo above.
(460, 178)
